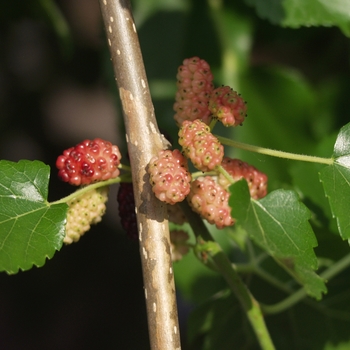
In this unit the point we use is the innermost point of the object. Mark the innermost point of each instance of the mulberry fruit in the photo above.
(200, 145)
(84, 211)
(169, 176)
(210, 200)
(228, 106)
(89, 161)
(257, 181)
(194, 85)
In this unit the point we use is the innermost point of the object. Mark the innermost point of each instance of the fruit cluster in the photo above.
(198, 106)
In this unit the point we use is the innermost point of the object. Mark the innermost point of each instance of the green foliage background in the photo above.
(290, 61)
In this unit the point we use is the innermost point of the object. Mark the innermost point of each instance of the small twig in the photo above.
(144, 141)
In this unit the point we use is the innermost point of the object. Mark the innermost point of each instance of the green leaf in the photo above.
(31, 229)
(268, 9)
(317, 13)
(341, 346)
(279, 224)
(336, 182)
(297, 13)
(217, 324)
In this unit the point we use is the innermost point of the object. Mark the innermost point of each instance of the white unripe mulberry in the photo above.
(84, 211)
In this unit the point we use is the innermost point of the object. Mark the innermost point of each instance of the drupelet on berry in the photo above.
(169, 176)
(257, 181)
(228, 106)
(84, 211)
(210, 200)
(200, 145)
(89, 161)
(194, 85)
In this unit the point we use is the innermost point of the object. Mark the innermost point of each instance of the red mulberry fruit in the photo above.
(88, 162)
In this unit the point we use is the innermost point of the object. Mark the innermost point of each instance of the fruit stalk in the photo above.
(144, 141)
(223, 265)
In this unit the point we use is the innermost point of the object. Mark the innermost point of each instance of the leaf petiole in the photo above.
(82, 190)
(275, 153)
(301, 293)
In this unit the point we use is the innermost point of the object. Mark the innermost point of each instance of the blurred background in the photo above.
(57, 89)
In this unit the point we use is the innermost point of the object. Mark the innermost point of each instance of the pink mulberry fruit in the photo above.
(169, 176)
(228, 106)
(210, 200)
(200, 145)
(257, 181)
(194, 85)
